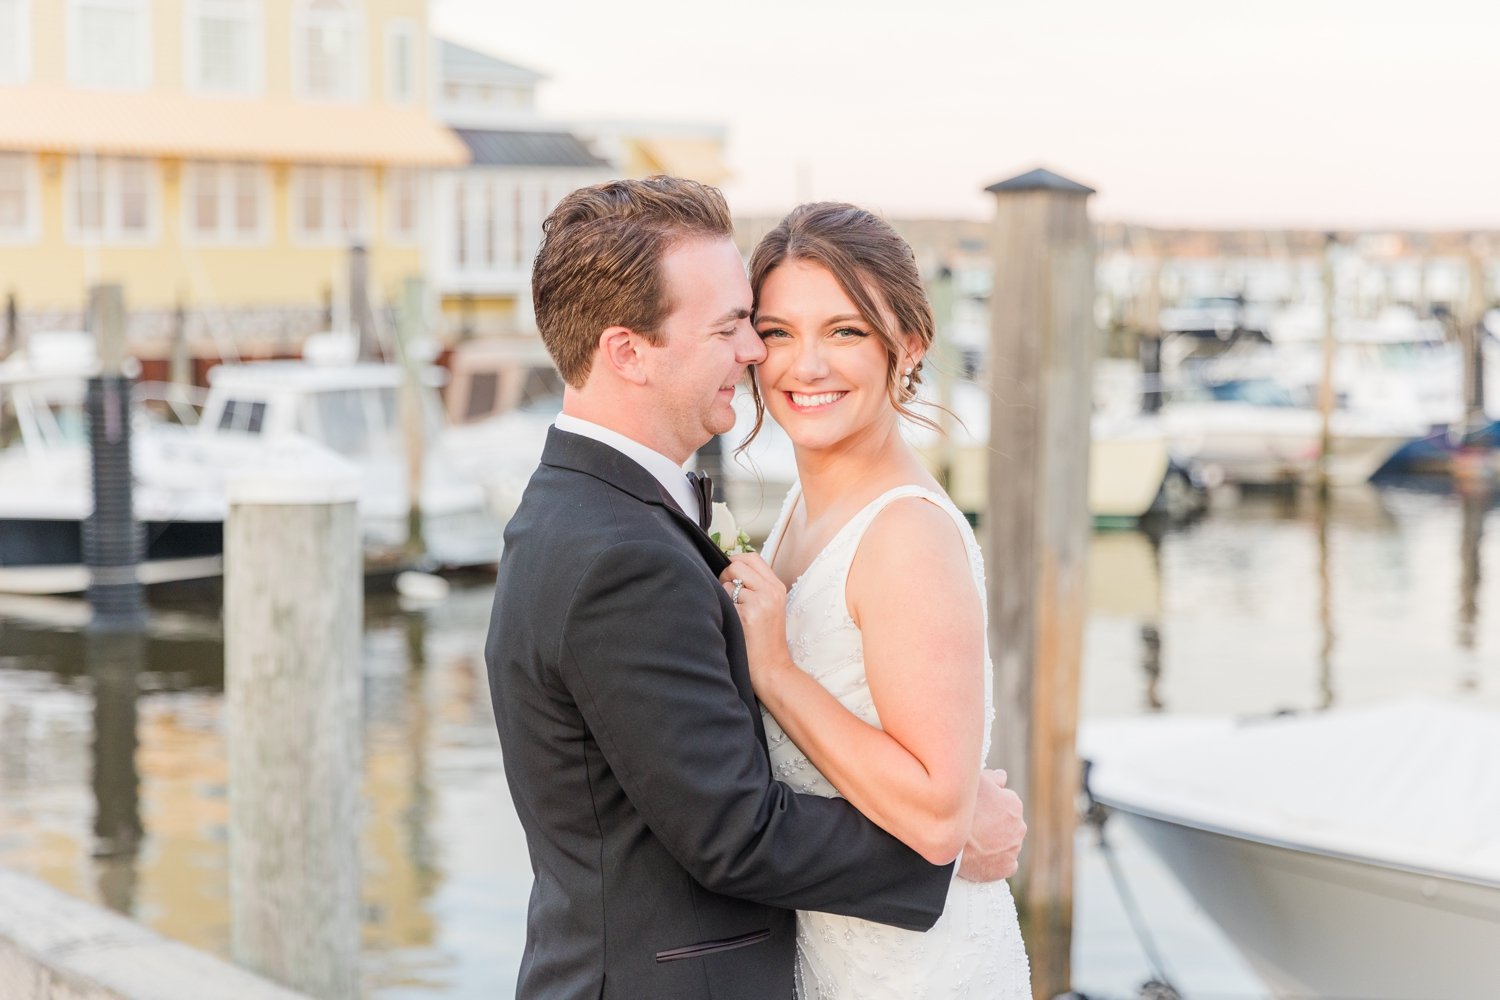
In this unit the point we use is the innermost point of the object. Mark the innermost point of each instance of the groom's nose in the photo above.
(749, 349)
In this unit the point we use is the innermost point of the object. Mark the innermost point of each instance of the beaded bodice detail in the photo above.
(825, 641)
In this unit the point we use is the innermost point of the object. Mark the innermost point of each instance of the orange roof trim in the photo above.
(42, 118)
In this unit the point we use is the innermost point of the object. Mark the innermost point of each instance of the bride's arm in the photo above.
(911, 593)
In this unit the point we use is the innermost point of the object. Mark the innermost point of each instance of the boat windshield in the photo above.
(41, 420)
(1256, 391)
(353, 422)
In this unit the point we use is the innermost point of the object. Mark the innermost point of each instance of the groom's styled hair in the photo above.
(600, 261)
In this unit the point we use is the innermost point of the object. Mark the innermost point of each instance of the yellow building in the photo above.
(220, 155)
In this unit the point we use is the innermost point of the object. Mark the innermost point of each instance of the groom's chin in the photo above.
(720, 423)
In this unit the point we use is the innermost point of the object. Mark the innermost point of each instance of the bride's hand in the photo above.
(760, 599)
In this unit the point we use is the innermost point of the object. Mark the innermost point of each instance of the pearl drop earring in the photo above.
(906, 380)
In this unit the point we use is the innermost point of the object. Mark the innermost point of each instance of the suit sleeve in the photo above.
(644, 654)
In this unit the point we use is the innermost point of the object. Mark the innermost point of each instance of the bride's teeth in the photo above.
(821, 399)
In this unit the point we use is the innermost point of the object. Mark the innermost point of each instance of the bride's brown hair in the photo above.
(873, 265)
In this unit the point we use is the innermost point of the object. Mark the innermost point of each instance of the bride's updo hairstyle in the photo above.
(873, 265)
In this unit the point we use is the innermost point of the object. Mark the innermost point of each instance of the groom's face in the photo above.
(708, 342)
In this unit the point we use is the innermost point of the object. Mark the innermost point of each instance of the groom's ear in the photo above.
(619, 349)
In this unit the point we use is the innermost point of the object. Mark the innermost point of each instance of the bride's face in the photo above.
(825, 379)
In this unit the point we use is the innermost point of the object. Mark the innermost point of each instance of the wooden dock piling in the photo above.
(1325, 379)
(292, 621)
(113, 542)
(411, 329)
(361, 316)
(1037, 526)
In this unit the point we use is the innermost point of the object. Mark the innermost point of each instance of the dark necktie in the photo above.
(703, 488)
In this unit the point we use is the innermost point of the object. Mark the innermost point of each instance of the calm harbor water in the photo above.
(112, 760)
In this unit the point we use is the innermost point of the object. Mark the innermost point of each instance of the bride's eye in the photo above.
(845, 332)
(771, 332)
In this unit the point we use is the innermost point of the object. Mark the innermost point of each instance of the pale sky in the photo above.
(1348, 113)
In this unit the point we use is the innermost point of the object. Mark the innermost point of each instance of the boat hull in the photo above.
(1314, 924)
(45, 556)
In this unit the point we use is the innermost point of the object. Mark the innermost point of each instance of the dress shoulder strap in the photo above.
(849, 538)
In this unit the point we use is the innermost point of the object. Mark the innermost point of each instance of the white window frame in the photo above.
(110, 232)
(302, 19)
(221, 172)
(496, 213)
(394, 234)
(143, 49)
(329, 235)
(193, 12)
(22, 55)
(395, 30)
(30, 228)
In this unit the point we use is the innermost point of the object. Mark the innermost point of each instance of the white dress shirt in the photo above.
(672, 476)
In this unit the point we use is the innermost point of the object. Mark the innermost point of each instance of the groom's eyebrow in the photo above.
(732, 315)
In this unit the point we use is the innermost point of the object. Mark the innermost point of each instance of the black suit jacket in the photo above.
(667, 861)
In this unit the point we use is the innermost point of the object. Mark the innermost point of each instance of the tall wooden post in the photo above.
(411, 328)
(292, 616)
(1471, 334)
(113, 543)
(12, 342)
(1149, 348)
(1037, 526)
(942, 369)
(361, 316)
(1325, 381)
(179, 358)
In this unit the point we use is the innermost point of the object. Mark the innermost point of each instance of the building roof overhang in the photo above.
(47, 118)
(527, 148)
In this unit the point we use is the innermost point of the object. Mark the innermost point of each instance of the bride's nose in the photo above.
(809, 364)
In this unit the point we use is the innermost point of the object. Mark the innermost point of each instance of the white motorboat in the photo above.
(1349, 853)
(1132, 468)
(349, 411)
(1256, 433)
(504, 448)
(1394, 360)
(45, 489)
(335, 413)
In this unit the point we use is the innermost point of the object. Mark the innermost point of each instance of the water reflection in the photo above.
(112, 759)
(113, 783)
(1277, 601)
(115, 662)
(1475, 501)
(1325, 605)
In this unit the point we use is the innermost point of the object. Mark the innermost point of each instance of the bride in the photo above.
(866, 628)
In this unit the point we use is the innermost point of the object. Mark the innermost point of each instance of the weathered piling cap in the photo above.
(294, 476)
(1040, 179)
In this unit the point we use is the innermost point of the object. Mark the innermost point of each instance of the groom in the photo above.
(667, 858)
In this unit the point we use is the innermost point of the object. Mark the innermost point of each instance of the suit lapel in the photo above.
(565, 450)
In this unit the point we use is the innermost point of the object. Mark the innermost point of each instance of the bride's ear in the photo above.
(913, 354)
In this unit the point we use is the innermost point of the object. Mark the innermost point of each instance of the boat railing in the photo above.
(171, 402)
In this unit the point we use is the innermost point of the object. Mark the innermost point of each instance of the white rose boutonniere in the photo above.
(721, 526)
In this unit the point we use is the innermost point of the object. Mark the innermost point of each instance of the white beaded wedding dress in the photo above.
(975, 949)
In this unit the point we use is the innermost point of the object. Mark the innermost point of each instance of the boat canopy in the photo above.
(1410, 785)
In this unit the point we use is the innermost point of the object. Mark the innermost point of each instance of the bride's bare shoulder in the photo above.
(913, 544)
